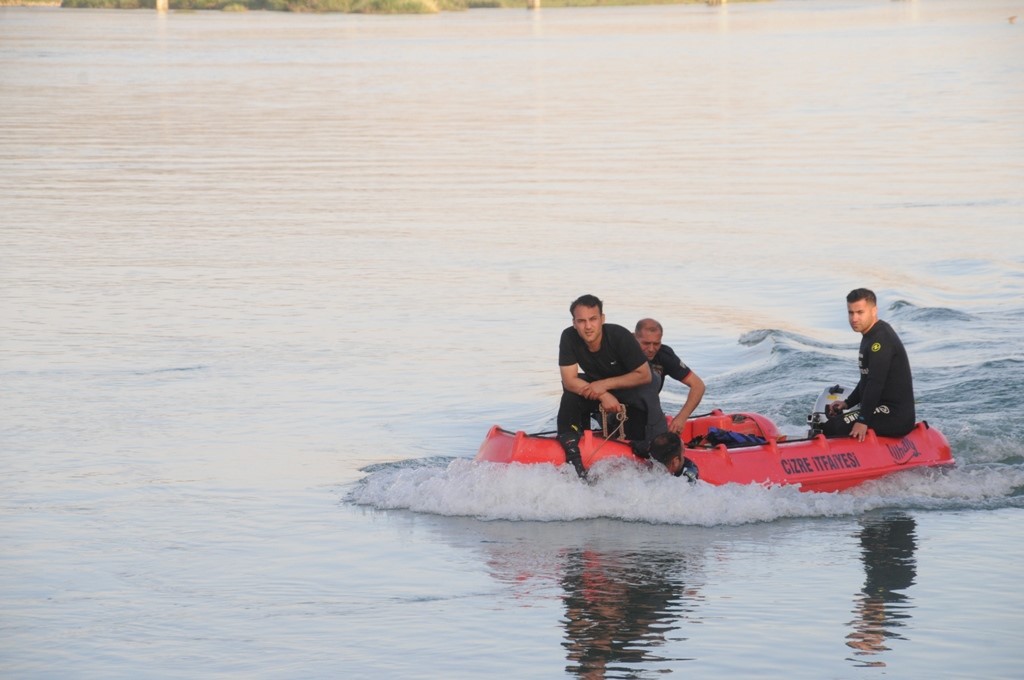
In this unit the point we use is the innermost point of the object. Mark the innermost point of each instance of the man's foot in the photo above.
(571, 445)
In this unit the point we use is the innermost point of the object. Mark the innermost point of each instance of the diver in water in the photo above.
(667, 449)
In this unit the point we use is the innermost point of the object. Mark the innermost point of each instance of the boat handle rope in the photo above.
(620, 429)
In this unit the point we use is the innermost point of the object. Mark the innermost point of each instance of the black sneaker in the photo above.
(571, 445)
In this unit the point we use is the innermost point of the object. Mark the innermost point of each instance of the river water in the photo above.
(267, 280)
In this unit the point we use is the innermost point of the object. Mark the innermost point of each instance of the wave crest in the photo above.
(625, 491)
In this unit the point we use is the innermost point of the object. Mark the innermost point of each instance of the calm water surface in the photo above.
(267, 279)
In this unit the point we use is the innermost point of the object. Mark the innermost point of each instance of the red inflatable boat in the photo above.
(816, 463)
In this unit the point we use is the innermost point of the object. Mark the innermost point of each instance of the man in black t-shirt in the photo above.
(665, 362)
(602, 365)
(885, 392)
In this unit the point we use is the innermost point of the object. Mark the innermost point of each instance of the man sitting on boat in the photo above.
(665, 362)
(603, 367)
(885, 392)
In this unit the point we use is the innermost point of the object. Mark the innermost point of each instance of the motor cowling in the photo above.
(819, 414)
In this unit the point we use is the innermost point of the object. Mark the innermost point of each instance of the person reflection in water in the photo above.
(888, 546)
(619, 608)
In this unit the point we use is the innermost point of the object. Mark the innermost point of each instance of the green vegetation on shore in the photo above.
(350, 6)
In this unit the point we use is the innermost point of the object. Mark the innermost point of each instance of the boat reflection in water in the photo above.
(626, 597)
(619, 608)
(882, 607)
(630, 594)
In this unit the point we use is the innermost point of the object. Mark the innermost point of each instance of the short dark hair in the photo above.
(858, 294)
(648, 325)
(587, 300)
(665, 447)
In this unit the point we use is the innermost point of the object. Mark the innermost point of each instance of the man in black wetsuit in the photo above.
(885, 392)
(665, 362)
(601, 365)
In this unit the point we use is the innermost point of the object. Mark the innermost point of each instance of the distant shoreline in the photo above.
(347, 6)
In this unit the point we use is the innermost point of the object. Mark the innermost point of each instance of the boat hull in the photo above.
(815, 464)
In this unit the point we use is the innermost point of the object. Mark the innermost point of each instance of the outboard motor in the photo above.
(819, 414)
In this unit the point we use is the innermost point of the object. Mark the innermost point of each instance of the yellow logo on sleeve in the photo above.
(875, 347)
